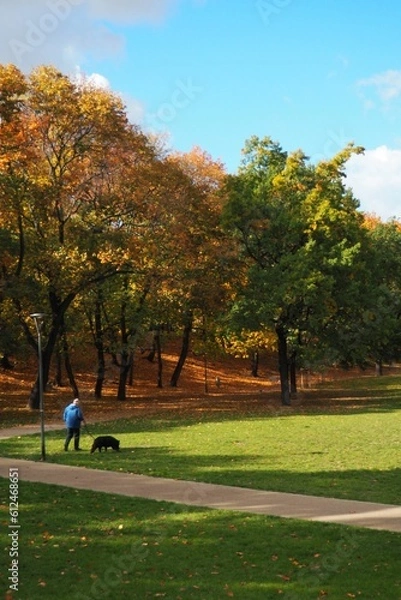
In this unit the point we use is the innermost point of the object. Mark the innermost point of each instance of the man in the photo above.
(73, 418)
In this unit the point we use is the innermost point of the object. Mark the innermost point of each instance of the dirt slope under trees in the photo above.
(212, 386)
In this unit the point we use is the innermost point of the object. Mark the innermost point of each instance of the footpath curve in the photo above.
(297, 506)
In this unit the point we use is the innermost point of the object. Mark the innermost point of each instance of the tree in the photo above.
(248, 344)
(298, 230)
(69, 179)
(203, 269)
(376, 330)
(176, 252)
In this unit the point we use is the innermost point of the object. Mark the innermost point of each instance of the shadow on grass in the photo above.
(356, 484)
(85, 545)
(236, 469)
(344, 403)
(300, 407)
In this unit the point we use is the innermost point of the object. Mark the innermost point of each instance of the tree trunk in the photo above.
(100, 374)
(283, 366)
(255, 364)
(59, 369)
(159, 359)
(152, 353)
(127, 334)
(131, 369)
(99, 345)
(293, 376)
(184, 352)
(124, 372)
(58, 311)
(124, 354)
(379, 368)
(68, 367)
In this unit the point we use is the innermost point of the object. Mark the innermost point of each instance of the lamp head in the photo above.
(38, 315)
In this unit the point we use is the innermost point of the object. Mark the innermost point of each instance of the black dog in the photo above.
(105, 441)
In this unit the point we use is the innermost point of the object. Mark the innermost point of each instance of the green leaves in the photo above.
(301, 239)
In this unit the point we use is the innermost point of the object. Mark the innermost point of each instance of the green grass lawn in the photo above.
(87, 545)
(91, 546)
(351, 451)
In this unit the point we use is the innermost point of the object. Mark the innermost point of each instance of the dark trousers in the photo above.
(72, 432)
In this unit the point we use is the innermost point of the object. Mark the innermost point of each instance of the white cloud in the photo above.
(375, 178)
(95, 79)
(130, 11)
(135, 109)
(64, 32)
(384, 87)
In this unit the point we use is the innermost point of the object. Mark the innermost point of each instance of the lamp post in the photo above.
(38, 318)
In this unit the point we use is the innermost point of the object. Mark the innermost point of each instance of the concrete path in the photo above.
(313, 508)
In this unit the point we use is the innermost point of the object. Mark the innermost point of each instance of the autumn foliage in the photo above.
(124, 244)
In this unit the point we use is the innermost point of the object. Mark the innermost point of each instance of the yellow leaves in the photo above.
(333, 169)
(245, 342)
(50, 90)
(12, 87)
(100, 104)
(11, 80)
(279, 181)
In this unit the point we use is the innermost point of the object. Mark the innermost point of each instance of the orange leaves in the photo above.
(201, 168)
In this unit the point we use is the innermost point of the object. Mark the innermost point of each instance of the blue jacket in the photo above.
(73, 416)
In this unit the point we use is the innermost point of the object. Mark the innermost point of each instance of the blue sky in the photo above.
(310, 74)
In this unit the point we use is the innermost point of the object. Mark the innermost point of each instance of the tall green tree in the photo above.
(299, 233)
(377, 328)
